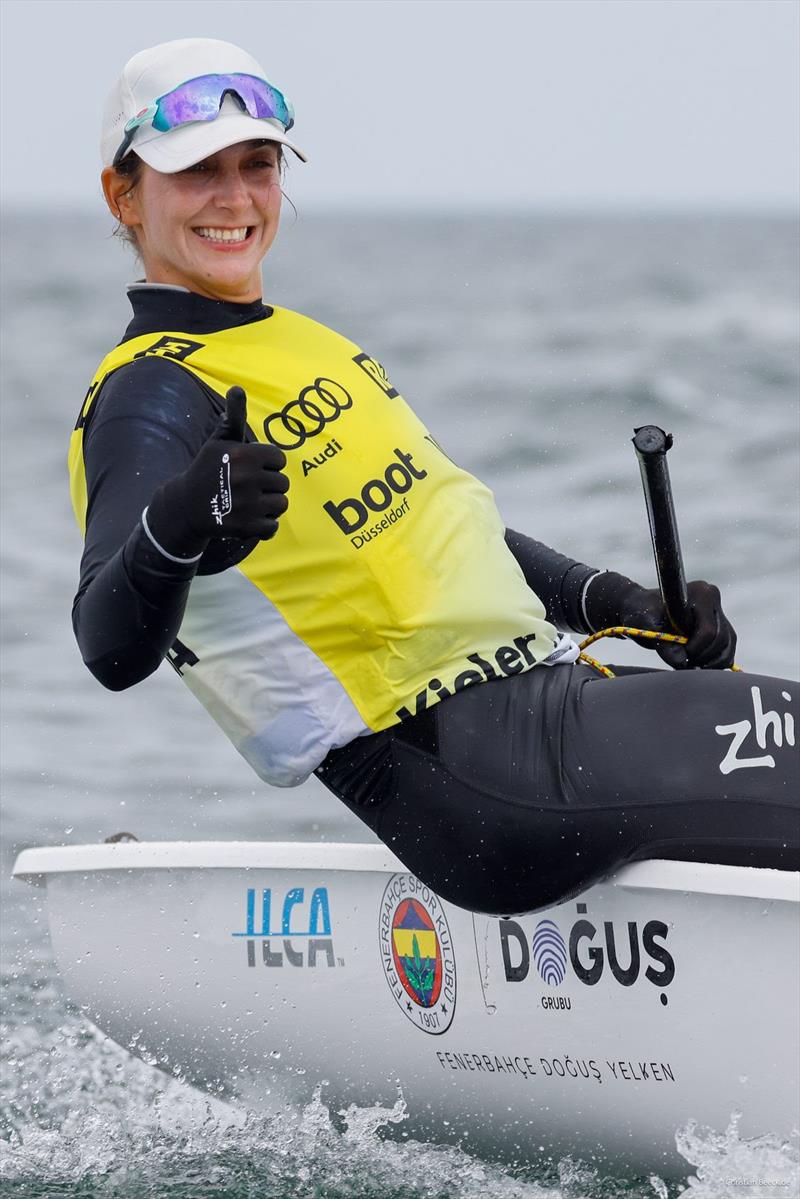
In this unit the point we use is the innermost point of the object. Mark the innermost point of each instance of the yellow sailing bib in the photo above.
(390, 565)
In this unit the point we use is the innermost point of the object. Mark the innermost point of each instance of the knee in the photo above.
(491, 880)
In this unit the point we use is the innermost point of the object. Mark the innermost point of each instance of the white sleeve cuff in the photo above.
(160, 548)
(584, 593)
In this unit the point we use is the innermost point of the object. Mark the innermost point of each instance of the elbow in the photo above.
(116, 672)
(118, 658)
(111, 680)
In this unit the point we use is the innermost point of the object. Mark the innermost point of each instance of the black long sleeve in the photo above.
(146, 426)
(557, 580)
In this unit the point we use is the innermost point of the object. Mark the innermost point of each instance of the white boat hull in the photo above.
(598, 1027)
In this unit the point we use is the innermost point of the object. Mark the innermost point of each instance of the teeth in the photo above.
(224, 234)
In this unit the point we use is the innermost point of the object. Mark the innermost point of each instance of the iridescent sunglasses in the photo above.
(200, 99)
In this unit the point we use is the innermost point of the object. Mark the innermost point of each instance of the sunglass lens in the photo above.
(196, 101)
(200, 100)
(264, 101)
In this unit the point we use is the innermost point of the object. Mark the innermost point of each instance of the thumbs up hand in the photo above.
(233, 425)
(232, 488)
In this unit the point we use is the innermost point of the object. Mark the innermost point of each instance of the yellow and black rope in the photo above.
(622, 630)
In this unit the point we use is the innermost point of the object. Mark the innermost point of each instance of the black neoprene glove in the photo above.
(231, 489)
(612, 599)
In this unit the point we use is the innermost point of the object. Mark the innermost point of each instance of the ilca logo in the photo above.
(315, 407)
(417, 953)
(303, 925)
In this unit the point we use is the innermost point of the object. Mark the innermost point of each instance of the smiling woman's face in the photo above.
(208, 227)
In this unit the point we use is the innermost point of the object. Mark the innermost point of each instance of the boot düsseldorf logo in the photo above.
(417, 953)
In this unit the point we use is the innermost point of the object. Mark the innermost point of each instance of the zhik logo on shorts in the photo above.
(762, 723)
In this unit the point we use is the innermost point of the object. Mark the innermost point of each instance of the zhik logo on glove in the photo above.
(222, 503)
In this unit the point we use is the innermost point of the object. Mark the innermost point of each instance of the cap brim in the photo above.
(182, 148)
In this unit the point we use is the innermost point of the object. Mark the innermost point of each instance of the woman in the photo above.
(262, 508)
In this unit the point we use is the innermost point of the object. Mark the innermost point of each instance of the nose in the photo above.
(231, 190)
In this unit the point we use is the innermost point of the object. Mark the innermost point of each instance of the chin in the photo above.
(229, 275)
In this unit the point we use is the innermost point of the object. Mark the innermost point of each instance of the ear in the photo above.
(122, 206)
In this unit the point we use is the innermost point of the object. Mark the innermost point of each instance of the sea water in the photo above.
(531, 345)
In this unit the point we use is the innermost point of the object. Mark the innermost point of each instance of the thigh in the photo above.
(468, 797)
(486, 852)
(517, 794)
(694, 765)
(682, 736)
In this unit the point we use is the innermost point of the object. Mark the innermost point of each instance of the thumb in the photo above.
(233, 424)
(674, 655)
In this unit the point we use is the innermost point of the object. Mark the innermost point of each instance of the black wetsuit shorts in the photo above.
(517, 794)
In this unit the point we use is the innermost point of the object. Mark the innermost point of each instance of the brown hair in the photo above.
(130, 168)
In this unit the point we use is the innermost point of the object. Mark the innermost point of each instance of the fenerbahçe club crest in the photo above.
(417, 953)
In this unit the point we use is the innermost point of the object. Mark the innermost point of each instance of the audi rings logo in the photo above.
(314, 408)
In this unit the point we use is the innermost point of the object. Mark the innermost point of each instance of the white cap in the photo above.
(154, 72)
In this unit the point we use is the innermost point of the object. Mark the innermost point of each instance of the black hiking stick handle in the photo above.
(651, 445)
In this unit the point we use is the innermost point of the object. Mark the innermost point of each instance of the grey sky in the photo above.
(642, 103)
